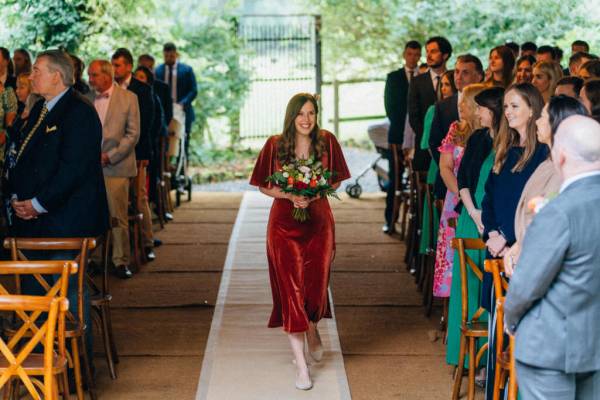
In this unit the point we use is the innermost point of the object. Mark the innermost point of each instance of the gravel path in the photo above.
(357, 160)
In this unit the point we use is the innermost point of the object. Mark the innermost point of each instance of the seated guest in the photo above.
(518, 154)
(580, 46)
(451, 152)
(22, 62)
(528, 49)
(590, 70)
(576, 61)
(25, 96)
(590, 98)
(545, 181)
(569, 86)
(545, 78)
(524, 69)
(473, 172)
(501, 64)
(546, 53)
(120, 117)
(553, 300)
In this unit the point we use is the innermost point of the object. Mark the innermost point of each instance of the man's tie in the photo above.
(32, 132)
(411, 75)
(102, 95)
(170, 82)
(438, 88)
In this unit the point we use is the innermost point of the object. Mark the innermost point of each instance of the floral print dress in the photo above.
(444, 255)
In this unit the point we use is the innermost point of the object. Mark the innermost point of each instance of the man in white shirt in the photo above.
(120, 117)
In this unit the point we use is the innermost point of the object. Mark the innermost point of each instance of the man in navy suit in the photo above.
(396, 109)
(182, 82)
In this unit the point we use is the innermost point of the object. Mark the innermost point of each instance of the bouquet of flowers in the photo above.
(304, 178)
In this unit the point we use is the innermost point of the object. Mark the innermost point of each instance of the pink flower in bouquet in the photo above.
(536, 204)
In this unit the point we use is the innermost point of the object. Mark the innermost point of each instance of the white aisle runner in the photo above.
(244, 359)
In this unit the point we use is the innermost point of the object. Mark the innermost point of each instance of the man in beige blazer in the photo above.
(120, 116)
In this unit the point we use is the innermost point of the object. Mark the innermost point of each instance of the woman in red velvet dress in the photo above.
(300, 253)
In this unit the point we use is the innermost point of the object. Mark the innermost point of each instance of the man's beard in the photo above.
(434, 66)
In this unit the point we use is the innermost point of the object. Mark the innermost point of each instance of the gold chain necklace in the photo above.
(32, 131)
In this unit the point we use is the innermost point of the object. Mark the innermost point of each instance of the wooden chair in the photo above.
(23, 363)
(505, 360)
(75, 325)
(136, 218)
(27, 327)
(412, 257)
(100, 299)
(396, 154)
(471, 328)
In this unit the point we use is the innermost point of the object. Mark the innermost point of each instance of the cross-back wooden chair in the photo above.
(27, 326)
(471, 328)
(23, 363)
(75, 325)
(417, 178)
(505, 358)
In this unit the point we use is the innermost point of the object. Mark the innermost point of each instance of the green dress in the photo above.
(431, 175)
(466, 228)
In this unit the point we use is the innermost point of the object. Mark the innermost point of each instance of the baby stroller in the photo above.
(378, 133)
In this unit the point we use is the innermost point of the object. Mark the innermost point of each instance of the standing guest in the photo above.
(528, 49)
(545, 181)
(502, 64)
(22, 62)
(590, 70)
(452, 149)
(122, 62)
(182, 83)
(25, 96)
(425, 91)
(576, 61)
(546, 53)
(7, 79)
(468, 70)
(524, 72)
(53, 175)
(553, 300)
(423, 68)
(514, 47)
(569, 86)
(80, 85)
(473, 173)
(120, 117)
(518, 154)
(8, 113)
(590, 97)
(545, 77)
(300, 254)
(580, 46)
(396, 109)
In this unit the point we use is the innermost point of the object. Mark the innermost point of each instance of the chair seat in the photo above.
(475, 329)
(34, 364)
(72, 329)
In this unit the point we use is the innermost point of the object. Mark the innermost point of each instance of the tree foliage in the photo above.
(367, 36)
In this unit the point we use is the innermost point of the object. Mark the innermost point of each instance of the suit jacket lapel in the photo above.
(111, 104)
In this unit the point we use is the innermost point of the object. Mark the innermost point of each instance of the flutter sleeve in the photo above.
(337, 163)
(265, 164)
(448, 145)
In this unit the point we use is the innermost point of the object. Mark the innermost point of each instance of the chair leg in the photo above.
(459, 369)
(77, 368)
(55, 387)
(108, 345)
(88, 370)
(65, 385)
(497, 382)
(471, 392)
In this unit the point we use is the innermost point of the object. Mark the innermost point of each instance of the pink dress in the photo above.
(444, 255)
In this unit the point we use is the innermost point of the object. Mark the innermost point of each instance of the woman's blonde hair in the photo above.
(552, 71)
(23, 79)
(471, 122)
(508, 137)
(286, 150)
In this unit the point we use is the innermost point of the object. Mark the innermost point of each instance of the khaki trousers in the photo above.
(144, 208)
(117, 192)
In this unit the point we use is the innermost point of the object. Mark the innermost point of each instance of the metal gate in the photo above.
(284, 57)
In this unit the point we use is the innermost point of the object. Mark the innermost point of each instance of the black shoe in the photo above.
(123, 272)
(157, 242)
(169, 216)
(386, 229)
(150, 255)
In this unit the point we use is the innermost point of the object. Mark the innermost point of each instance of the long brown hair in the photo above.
(508, 137)
(508, 62)
(468, 124)
(286, 150)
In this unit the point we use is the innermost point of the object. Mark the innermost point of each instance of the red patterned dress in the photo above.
(299, 253)
(444, 255)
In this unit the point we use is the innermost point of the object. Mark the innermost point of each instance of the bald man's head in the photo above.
(576, 148)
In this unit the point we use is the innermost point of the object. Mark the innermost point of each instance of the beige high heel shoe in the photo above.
(317, 354)
(304, 385)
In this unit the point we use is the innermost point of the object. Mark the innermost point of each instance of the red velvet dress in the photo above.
(299, 253)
